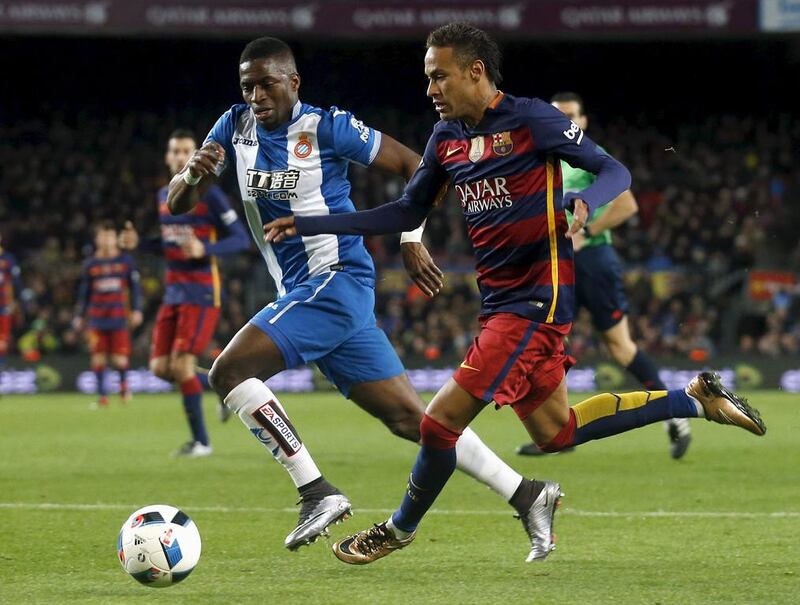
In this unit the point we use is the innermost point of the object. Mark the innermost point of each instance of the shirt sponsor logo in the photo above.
(574, 131)
(483, 195)
(502, 143)
(363, 129)
(272, 185)
(239, 140)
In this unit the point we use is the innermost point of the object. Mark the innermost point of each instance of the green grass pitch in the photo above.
(720, 526)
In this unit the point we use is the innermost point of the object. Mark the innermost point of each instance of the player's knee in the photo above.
(224, 377)
(161, 370)
(436, 435)
(406, 426)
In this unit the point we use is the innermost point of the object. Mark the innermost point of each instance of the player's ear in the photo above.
(477, 70)
(294, 82)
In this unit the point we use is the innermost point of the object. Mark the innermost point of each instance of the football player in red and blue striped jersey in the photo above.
(190, 310)
(109, 305)
(502, 155)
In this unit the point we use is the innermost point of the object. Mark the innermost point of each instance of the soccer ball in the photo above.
(159, 545)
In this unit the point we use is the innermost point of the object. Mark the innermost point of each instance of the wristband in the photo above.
(191, 180)
(414, 236)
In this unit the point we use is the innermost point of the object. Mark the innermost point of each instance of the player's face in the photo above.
(452, 88)
(269, 87)
(178, 153)
(105, 240)
(572, 109)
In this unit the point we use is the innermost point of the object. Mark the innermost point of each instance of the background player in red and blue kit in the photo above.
(109, 305)
(189, 313)
(501, 153)
(10, 289)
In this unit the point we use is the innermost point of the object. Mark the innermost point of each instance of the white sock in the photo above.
(701, 412)
(400, 534)
(264, 416)
(481, 463)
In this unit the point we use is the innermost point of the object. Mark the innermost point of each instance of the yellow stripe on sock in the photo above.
(608, 404)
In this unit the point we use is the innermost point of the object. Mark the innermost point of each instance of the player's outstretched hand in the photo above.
(205, 160)
(580, 214)
(193, 248)
(128, 238)
(136, 319)
(278, 230)
(421, 268)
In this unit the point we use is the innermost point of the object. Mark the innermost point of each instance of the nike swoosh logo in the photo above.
(466, 367)
(451, 151)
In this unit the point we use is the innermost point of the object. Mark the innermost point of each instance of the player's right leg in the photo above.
(450, 412)
(260, 350)
(367, 370)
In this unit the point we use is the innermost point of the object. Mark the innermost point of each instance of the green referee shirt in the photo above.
(576, 179)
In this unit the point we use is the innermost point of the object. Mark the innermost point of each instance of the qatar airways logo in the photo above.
(483, 195)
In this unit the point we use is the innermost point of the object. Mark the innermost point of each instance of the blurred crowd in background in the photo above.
(717, 199)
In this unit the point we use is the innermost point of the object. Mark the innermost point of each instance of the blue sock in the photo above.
(192, 393)
(100, 372)
(435, 463)
(203, 378)
(645, 371)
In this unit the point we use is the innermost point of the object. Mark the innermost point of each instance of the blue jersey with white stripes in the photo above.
(299, 168)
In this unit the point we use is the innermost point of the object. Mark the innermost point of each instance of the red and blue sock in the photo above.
(100, 373)
(435, 463)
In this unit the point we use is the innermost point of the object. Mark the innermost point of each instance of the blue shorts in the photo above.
(599, 286)
(330, 320)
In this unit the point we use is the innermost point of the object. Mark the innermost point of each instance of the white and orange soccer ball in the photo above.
(159, 545)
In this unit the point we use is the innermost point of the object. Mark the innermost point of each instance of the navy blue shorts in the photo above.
(330, 320)
(599, 286)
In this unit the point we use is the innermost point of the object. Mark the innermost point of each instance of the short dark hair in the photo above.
(469, 44)
(266, 48)
(104, 225)
(182, 133)
(568, 97)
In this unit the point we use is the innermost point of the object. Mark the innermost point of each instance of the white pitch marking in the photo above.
(435, 511)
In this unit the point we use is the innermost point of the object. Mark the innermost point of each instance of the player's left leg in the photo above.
(624, 351)
(120, 359)
(182, 370)
(193, 331)
(100, 346)
(553, 425)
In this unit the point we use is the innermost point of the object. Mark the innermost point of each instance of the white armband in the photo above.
(414, 236)
(191, 180)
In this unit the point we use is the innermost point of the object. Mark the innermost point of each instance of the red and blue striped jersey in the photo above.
(507, 176)
(10, 282)
(196, 280)
(108, 292)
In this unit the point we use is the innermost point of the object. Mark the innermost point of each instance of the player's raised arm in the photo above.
(202, 166)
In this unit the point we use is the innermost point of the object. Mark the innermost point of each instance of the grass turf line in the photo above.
(54, 450)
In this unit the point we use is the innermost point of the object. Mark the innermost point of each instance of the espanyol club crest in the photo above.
(303, 147)
(475, 149)
(502, 143)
